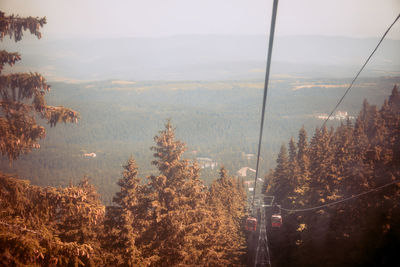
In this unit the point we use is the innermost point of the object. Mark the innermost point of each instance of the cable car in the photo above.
(251, 224)
(276, 220)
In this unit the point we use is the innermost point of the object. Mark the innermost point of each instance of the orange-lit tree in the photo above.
(22, 95)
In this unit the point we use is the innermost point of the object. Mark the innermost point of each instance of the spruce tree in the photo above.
(392, 120)
(281, 187)
(49, 226)
(22, 95)
(124, 222)
(321, 157)
(176, 199)
(294, 173)
(227, 201)
(303, 161)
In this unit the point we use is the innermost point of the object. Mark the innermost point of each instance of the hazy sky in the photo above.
(359, 18)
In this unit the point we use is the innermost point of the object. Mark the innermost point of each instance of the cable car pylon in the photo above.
(262, 254)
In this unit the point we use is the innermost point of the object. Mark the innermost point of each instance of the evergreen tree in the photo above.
(281, 183)
(322, 178)
(22, 95)
(389, 114)
(303, 161)
(49, 226)
(353, 159)
(294, 173)
(227, 190)
(227, 201)
(123, 223)
(80, 216)
(178, 212)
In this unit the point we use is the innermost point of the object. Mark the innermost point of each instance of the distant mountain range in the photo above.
(203, 57)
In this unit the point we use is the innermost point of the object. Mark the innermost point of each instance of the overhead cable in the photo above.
(342, 200)
(355, 78)
(271, 42)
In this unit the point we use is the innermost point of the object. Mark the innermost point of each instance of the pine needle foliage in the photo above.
(123, 222)
(173, 219)
(49, 226)
(340, 163)
(22, 95)
(227, 201)
(177, 203)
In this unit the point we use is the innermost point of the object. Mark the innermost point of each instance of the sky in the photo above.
(157, 18)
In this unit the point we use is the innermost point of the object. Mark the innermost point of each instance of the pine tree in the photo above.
(49, 226)
(351, 160)
(22, 95)
(321, 169)
(294, 173)
(227, 190)
(178, 211)
(303, 161)
(80, 216)
(227, 201)
(123, 223)
(390, 114)
(281, 187)
(302, 154)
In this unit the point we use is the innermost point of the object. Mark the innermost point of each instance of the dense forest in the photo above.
(348, 162)
(218, 120)
(170, 219)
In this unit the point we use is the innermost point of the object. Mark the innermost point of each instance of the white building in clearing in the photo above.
(339, 115)
(243, 171)
(90, 155)
(248, 156)
(207, 163)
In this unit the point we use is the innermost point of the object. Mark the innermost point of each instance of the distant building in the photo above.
(339, 115)
(90, 155)
(248, 156)
(206, 163)
(243, 171)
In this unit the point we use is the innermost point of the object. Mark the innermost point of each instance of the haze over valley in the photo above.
(203, 57)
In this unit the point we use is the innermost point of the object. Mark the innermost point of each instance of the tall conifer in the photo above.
(281, 183)
(124, 222)
(177, 203)
(294, 173)
(303, 179)
(22, 95)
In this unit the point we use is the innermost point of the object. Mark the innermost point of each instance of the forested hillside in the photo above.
(337, 164)
(218, 120)
(168, 219)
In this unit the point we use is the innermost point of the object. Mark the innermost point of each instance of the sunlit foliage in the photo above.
(22, 95)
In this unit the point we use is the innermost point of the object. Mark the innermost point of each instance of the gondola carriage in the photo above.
(276, 220)
(251, 224)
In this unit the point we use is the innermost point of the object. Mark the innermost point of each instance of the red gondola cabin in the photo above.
(276, 220)
(251, 224)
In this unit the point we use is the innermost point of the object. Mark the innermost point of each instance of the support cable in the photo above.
(343, 200)
(337, 105)
(355, 78)
(271, 42)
